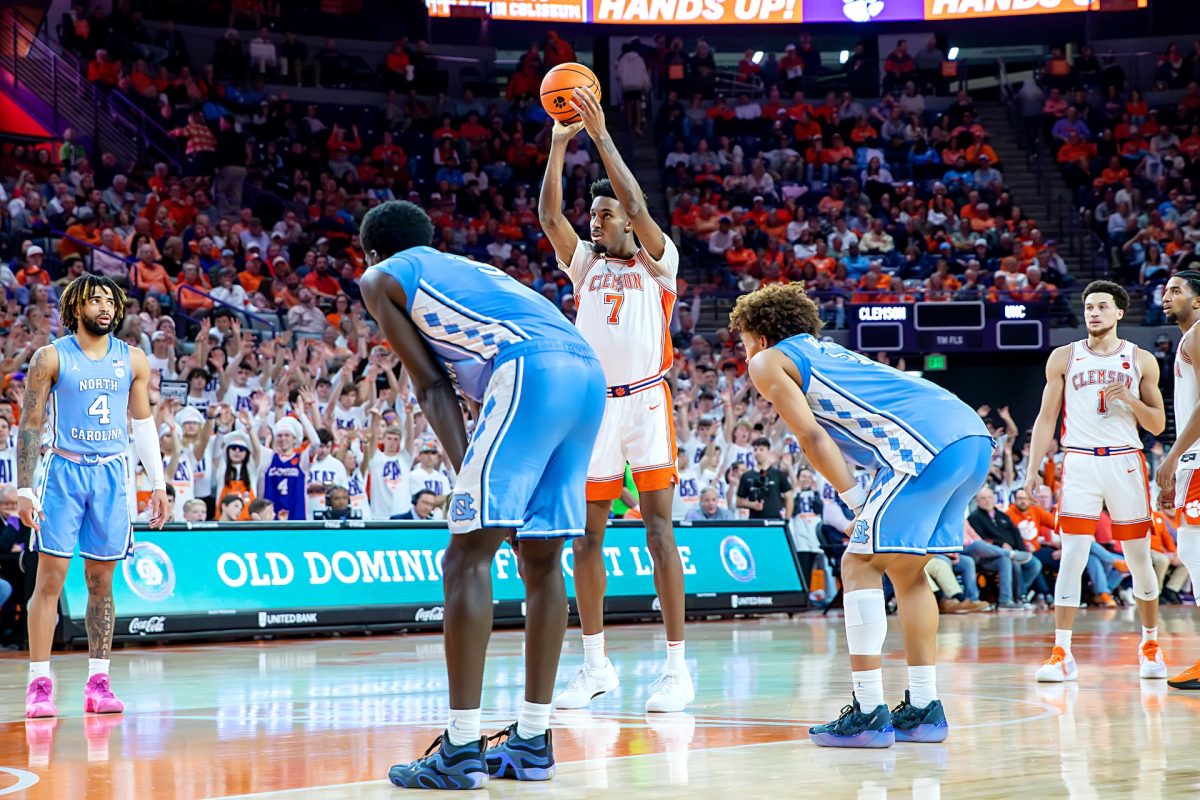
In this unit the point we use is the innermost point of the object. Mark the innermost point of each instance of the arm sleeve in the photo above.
(145, 439)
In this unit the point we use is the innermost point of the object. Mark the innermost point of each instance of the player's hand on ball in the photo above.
(158, 508)
(590, 112)
(30, 513)
(565, 133)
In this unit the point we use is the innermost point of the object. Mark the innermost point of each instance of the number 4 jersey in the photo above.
(89, 404)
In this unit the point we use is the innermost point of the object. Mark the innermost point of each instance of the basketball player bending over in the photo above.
(931, 454)
(540, 391)
(1178, 476)
(1106, 387)
(625, 293)
(96, 387)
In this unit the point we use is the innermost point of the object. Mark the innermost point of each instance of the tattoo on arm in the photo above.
(101, 616)
(33, 416)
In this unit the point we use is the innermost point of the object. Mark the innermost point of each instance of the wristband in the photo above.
(855, 497)
(31, 496)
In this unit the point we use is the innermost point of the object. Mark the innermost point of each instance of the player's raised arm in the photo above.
(629, 192)
(43, 372)
(556, 227)
(769, 373)
(145, 436)
(1047, 418)
(435, 394)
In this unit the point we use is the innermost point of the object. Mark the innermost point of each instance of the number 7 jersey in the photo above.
(89, 403)
(1089, 420)
(625, 311)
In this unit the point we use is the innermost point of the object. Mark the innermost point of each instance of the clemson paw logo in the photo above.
(560, 103)
(862, 10)
(1192, 509)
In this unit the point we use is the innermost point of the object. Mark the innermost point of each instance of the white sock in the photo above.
(922, 685)
(1062, 639)
(97, 666)
(593, 649)
(38, 669)
(868, 689)
(675, 657)
(534, 719)
(463, 727)
(1149, 634)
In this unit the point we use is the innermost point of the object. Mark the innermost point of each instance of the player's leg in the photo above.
(1189, 556)
(554, 510)
(61, 495)
(605, 479)
(1128, 501)
(100, 622)
(1083, 492)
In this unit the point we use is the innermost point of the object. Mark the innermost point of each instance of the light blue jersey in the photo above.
(89, 404)
(877, 415)
(474, 316)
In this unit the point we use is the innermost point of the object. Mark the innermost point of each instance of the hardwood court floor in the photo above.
(324, 718)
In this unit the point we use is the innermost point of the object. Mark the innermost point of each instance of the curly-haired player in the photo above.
(930, 452)
(95, 388)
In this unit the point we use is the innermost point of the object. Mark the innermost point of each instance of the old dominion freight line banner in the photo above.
(246, 578)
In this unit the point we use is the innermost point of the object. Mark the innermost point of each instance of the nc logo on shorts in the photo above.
(148, 572)
(737, 559)
(860, 532)
(462, 508)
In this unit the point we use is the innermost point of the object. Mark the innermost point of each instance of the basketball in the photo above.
(558, 85)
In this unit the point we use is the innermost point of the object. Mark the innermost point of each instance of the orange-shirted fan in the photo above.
(560, 83)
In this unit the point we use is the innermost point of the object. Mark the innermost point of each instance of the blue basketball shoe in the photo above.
(450, 767)
(856, 729)
(914, 724)
(520, 759)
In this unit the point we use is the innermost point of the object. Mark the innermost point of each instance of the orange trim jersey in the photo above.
(625, 310)
(1089, 421)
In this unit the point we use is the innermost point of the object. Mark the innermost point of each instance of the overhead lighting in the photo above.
(843, 56)
(757, 57)
(953, 54)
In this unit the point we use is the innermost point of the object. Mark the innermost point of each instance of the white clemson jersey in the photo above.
(1187, 393)
(1089, 420)
(624, 310)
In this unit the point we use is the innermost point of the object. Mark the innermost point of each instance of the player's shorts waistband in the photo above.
(634, 388)
(87, 461)
(1103, 451)
(545, 347)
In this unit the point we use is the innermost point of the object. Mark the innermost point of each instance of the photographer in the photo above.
(765, 491)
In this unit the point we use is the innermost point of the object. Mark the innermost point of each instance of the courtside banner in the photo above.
(247, 577)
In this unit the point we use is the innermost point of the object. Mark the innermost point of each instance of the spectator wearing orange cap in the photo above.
(32, 272)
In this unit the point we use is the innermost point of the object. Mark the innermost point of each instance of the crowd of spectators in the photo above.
(1131, 161)
(242, 265)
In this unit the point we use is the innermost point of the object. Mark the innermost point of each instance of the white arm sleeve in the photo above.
(145, 439)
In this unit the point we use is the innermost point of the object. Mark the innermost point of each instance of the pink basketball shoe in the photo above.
(98, 697)
(39, 699)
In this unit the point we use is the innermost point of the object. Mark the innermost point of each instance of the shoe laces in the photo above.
(579, 678)
(41, 690)
(503, 735)
(850, 719)
(436, 744)
(1057, 656)
(101, 686)
(905, 713)
(1151, 650)
(666, 683)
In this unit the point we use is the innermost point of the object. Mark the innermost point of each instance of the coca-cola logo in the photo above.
(435, 614)
(148, 625)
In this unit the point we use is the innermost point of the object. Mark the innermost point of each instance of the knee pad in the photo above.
(1141, 567)
(1075, 552)
(1189, 550)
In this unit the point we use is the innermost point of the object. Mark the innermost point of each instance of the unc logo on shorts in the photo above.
(737, 559)
(462, 508)
(148, 572)
(860, 533)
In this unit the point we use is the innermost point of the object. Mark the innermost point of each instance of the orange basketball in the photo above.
(558, 85)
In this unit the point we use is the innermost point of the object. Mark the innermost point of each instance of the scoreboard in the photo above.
(949, 326)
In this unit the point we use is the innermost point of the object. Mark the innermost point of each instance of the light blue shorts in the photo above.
(86, 506)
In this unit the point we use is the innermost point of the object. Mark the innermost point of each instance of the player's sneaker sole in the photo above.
(924, 733)
(866, 739)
